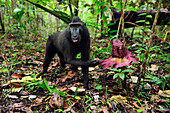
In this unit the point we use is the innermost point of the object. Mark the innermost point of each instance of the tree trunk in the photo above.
(2, 24)
(76, 3)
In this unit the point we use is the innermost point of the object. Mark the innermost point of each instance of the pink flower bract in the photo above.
(120, 56)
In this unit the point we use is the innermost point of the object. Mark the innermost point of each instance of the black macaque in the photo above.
(67, 44)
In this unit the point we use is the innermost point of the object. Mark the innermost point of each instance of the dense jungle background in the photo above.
(119, 84)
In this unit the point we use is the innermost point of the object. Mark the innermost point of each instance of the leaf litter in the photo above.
(21, 92)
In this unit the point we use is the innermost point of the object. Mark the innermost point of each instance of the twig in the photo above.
(166, 35)
(122, 16)
(69, 4)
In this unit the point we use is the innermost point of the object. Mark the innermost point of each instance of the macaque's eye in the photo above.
(77, 26)
(72, 26)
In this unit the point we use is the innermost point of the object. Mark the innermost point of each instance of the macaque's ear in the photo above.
(85, 24)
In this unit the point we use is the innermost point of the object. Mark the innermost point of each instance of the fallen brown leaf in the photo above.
(63, 89)
(18, 105)
(105, 109)
(72, 75)
(65, 106)
(70, 72)
(119, 98)
(69, 75)
(165, 93)
(154, 98)
(136, 105)
(38, 100)
(79, 89)
(16, 76)
(55, 64)
(65, 78)
(56, 101)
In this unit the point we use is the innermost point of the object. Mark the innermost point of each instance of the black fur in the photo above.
(62, 43)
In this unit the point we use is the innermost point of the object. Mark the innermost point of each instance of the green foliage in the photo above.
(89, 99)
(120, 73)
(139, 110)
(99, 87)
(138, 101)
(75, 92)
(158, 81)
(102, 52)
(43, 5)
(60, 111)
(2, 70)
(18, 14)
(35, 24)
(145, 95)
(43, 84)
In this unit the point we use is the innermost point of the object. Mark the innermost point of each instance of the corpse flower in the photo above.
(120, 56)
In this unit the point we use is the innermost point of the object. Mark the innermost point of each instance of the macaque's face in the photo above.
(75, 30)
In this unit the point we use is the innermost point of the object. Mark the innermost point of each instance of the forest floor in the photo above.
(22, 93)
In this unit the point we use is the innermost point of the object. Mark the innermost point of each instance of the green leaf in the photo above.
(113, 37)
(99, 10)
(76, 92)
(146, 37)
(116, 75)
(99, 87)
(147, 22)
(35, 1)
(128, 70)
(31, 88)
(102, 17)
(149, 16)
(139, 110)
(105, 24)
(140, 21)
(113, 31)
(105, 9)
(97, 4)
(59, 92)
(143, 6)
(102, 3)
(110, 24)
(155, 48)
(163, 85)
(147, 29)
(3, 70)
(160, 107)
(142, 14)
(60, 111)
(118, 6)
(93, 1)
(89, 99)
(122, 76)
(18, 13)
(115, 69)
(131, 8)
(42, 85)
(46, 85)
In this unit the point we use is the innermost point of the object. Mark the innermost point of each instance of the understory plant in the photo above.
(43, 84)
(121, 58)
